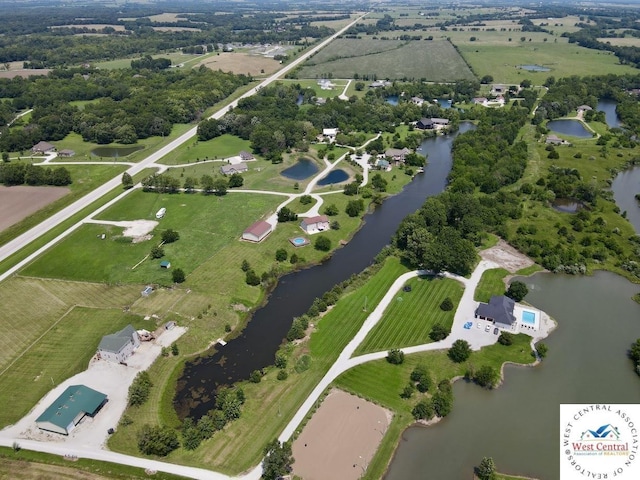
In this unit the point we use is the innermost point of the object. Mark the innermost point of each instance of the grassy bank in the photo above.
(491, 283)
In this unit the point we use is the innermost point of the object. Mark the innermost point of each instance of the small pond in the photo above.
(392, 100)
(609, 109)
(567, 205)
(335, 176)
(115, 152)
(569, 127)
(535, 68)
(444, 102)
(303, 168)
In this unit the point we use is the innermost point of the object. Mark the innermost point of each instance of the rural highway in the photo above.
(36, 232)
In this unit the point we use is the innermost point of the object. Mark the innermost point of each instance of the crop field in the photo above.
(560, 25)
(241, 63)
(64, 351)
(382, 383)
(408, 320)
(194, 150)
(622, 42)
(175, 57)
(491, 283)
(203, 222)
(435, 60)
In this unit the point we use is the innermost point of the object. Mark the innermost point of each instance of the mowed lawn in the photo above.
(205, 224)
(64, 351)
(491, 283)
(409, 319)
(194, 150)
(434, 60)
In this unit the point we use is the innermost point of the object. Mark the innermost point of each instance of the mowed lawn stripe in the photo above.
(408, 321)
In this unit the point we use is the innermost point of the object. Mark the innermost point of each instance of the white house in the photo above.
(117, 347)
(316, 224)
(257, 232)
(330, 133)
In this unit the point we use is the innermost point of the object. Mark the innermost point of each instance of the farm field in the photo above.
(491, 283)
(18, 202)
(175, 57)
(239, 445)
(203, 222)
(435, 60)
(241, 63)
(622, 42)
(409, 319)
(381, 382)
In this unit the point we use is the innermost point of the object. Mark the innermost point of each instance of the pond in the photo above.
(303, 168)
(334, 176)
(534, 68)
(518, 423)
(115, 152)
(392, 100)
(609, 109)
(566, 205)
(569, 127)
(444, 102)
(257, 344)
(625, 187)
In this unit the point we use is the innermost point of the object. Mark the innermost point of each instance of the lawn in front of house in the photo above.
(491, 283)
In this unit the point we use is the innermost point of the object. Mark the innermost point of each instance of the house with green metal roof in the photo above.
(76, 402)
(117, 347)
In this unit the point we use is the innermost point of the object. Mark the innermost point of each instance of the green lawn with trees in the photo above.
(410, 317)
(491, 283)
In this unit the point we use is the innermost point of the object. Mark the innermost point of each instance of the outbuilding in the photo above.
(165, 264)
(316, 224)
(257, 232)
(119, 346)
(68, 410)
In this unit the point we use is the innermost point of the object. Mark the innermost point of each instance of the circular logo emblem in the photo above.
(599, 441)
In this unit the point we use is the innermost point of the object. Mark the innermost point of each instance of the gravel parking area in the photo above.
(107, 377)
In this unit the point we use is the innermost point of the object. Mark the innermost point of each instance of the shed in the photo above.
(257, 232)
(165, 264)
(499, 310)
(246, 156)
(66, 153)
(66, 411)
(316, 224)
(147, 291)
(117, 347)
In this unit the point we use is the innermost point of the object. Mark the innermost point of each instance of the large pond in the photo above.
(518, 423)
(609, 109)
(255, 347)
(534, 68)
(303, 168)
(625, 187)
(334, 176)
(115, 152)
(569, 127)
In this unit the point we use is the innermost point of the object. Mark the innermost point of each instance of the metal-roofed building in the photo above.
(117, 347)
(66, 411)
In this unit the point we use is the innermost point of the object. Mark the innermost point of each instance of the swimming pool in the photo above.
(299, 241)
(528, 317)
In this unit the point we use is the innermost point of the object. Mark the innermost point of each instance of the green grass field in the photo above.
(175, 57)
(194, 150)
(409, 319)
(491, 283)
(435, 60)
(382, 383)
(203, 222)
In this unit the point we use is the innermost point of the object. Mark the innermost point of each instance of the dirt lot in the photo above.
(24, 73)
(241, 63)
(507, 257)
(19, 202)
(340, 439)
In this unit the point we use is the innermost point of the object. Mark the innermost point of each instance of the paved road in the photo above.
(36, 232)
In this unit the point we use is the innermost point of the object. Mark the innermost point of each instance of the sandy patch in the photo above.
(507, 257)
(241, 63)
(19, 202)
(340, 439)
(24, 73)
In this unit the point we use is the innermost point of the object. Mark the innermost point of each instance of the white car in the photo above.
(487, 328)
(478, 325)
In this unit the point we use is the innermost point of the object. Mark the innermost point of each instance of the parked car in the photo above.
(496, 331)
(487, 328)
(478, 324)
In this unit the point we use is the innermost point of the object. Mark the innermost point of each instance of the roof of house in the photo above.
(480, 100)
(499, 308)
(246, 155)
(444, 121)
(382, 163)
(232, 168)
(74, 400)
(67, 152)
(553, 139)
(259, 228)
(396, 152)
(115, 341)
(329, 131)
(43, 147)
(584, 107)
(316, 219)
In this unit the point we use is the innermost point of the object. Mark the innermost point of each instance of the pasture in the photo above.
(241, 63)
(411, 316)
(175, 57)
(195, 150)
(381, 382)
(434, 60)
(491, 283)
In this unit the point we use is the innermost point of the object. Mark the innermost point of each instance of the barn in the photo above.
(68, 410)
(257, 232)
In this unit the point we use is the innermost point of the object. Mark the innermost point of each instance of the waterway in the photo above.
(255, 347)
(609, 109)
(625, 186)
(518, 424)
(115, 152)
(569, 127)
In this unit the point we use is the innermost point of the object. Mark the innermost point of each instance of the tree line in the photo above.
(20, 173)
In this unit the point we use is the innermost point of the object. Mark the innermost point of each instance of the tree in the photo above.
(542, 350)
(322, 243)
(281, 255)
(285, 214)
(277, 460)
(486, 79)
(245, 266)
(459, 351)
(407, 391)
(354, 207)
(446, 305)
(423, 410)
(191, 436)
(236, 180)
(207, 184)
(157, 252)
(439, 332)
(331, 210)
(255, 376)
(175, 351)
(251, 278)
(486, 470)
(140, 388)
(189, 185)
(442, 403)
(170, 236)
(220, 186)
(486, 376)
(5, 157)
(517, 290)
(505, 338)
(634, 352)
(178, 275)
(127, 181)
(395, 356)
(157, 440)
